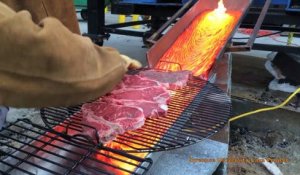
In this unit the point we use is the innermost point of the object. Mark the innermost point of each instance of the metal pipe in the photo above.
(248, 46)
(127, 24)
(259, 23)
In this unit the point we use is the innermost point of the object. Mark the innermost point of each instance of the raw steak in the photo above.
(150, 109)
(105, 130)
(112, 119)
(171, 80)
(136, 81)
(126, 108)
(155, 94)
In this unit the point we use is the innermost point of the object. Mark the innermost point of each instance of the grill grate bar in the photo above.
(166, 141)
(53, 145)
(140, 135)
(160, 130)
(16, 167)
(48, 152)
(39, 149)
(28, 155)
(27, 162)
(139, 141)
(71, 143)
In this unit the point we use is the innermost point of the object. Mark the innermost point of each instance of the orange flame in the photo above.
(199, 45)
(120, 164)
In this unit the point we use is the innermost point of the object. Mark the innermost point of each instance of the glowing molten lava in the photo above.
(199, 45)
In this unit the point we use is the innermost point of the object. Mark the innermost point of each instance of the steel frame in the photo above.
(98, 31)
(274, 20)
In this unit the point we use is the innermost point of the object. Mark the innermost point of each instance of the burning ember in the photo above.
(199, 45)
(120, 164)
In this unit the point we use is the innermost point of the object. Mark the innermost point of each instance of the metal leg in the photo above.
(156, 23)
(96, 20)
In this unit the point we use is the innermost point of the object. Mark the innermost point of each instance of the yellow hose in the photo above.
(290, 36)
(266, 109)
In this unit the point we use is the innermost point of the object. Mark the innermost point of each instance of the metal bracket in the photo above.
(248, 46)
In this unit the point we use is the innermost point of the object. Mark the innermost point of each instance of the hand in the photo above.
(131, 63)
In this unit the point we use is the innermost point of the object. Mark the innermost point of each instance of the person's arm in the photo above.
(47, 65)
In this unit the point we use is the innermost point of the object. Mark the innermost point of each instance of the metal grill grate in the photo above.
(33, 149)
(196, 112)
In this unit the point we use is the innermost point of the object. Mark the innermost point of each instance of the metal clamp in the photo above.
(248, 46)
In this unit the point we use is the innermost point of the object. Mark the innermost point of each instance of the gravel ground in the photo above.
(271, 144)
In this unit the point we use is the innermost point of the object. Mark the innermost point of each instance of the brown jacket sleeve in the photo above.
(63, 10)
(47, 65)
